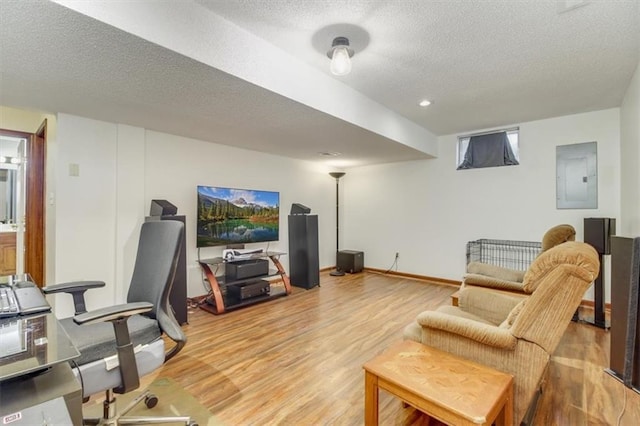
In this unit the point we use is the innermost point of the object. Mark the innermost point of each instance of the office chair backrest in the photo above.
(155, 267)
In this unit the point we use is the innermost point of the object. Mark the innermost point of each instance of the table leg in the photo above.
(505, 418)
(283, 274)
(370, 399)
(215, 288)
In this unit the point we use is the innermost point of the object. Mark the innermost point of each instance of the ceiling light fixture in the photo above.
(340, 54)
(424, 103)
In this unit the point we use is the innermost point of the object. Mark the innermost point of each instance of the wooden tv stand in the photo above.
(220, 300)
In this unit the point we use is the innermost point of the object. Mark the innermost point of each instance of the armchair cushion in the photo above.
(456, 311)
(492, 306)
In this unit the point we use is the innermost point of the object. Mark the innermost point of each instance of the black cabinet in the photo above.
(304, 264)
(178, 296)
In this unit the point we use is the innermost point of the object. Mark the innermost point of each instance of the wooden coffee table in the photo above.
(446, 387)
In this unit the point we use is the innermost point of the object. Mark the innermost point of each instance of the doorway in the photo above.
(22, 215)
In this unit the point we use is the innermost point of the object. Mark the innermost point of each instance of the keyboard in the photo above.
(22, 298)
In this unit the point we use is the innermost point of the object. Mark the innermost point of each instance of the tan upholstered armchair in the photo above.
(513, 334)
(500, 278)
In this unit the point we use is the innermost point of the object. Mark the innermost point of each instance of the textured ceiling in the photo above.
(484, 64)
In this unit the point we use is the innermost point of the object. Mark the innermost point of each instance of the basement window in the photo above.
(493, 149)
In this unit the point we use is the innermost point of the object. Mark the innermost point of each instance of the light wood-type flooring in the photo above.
(298, 360)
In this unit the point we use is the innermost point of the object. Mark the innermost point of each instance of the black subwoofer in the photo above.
(350, 261)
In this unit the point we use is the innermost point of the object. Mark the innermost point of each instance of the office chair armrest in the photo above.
(75, 289)
(72, 286)
(118, 315)
(113, 312)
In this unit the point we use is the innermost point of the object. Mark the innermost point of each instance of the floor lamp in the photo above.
(337, 176)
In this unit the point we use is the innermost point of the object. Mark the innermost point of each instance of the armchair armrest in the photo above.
(482, 333)
(492, 282)
(76, 289)
(111, 313)
(495, 271)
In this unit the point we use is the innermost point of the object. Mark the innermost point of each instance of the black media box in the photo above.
(249, 290)
(242, 269)
(350, 261)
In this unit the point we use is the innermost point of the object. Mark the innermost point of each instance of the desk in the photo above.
(35, 375)
(54, 395)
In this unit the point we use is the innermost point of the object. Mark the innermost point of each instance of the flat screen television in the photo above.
(236, 216)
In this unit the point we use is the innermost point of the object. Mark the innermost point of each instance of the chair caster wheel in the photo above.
(192, 423)
(151, 401)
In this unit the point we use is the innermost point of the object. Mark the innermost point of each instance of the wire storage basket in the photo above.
(516, 255)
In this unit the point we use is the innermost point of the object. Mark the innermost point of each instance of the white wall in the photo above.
(122, 168)
(427, 210)
(85, 208)
(630, 158)
(175, 166)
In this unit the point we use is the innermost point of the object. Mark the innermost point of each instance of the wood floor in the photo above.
(298, 360)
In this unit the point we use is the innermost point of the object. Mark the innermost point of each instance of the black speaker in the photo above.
(598, 232)
(299, 209)
(162, 208)
(624, 361)
(304, 262)
(350, 261)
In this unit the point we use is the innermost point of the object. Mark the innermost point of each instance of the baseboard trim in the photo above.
(415, 276)
(589, 304)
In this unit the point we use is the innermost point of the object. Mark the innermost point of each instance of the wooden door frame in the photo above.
(35, 214)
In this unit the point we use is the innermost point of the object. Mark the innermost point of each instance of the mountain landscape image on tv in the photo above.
(237, 216)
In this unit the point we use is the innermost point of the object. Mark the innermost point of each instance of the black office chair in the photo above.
(141, 321)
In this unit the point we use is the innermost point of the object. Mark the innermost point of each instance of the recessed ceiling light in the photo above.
(424, 103)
